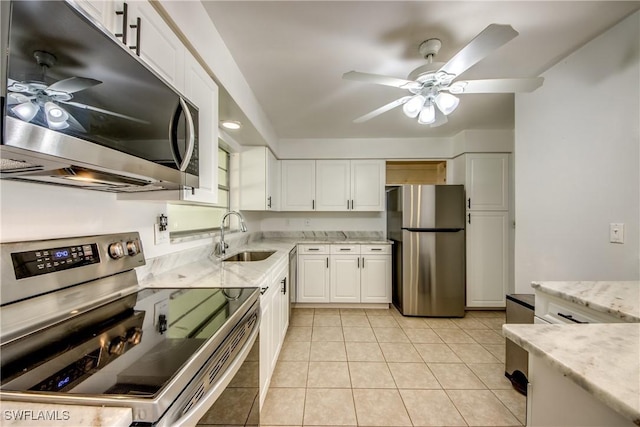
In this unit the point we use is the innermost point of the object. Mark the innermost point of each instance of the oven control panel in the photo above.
(43, 261)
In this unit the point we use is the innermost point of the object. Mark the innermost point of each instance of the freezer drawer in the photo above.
(432, 279)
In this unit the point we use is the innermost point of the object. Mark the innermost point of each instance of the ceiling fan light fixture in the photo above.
(55, 114)
(25, 111)
(413, 107)
(427, 114)
(447, 103)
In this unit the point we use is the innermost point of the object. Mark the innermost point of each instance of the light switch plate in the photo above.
(616, 232)
(161, 237)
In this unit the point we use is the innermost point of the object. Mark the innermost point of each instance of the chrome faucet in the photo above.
(222, 247)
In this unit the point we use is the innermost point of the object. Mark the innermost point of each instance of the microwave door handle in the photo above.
(191, 131)
(182, 163)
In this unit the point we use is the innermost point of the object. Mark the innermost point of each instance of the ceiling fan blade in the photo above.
(483, 44)
(100, 110)
(379, 79)
(383, 109)
(73, 84)
(17, 98)
(440, 120)
(497, 85)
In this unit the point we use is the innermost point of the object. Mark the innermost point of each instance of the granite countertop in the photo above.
(620, 299)
(211, 272)
(22, 414)
(603, 359)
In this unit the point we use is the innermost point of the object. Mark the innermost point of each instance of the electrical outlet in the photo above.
(616, 232)
(307, 222)
(161, 237)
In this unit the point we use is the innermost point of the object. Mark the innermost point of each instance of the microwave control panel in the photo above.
(43, 261)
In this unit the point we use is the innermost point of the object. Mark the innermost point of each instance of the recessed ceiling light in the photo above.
(231, 124)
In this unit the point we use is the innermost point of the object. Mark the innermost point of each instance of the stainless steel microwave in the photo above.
(81, 109)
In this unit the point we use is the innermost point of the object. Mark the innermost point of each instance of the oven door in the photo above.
(231, 400)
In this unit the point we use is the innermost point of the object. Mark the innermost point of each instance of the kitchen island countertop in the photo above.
(603, 359)
(618, 298)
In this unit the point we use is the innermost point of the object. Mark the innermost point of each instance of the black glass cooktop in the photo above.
(139, 352)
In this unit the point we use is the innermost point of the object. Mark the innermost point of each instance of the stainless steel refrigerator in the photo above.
(426, 224)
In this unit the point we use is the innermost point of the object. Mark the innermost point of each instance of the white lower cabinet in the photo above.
(313, 278)
(487, 258)
(274, 304)
(345, 278)
(344, 273)
(375, 279)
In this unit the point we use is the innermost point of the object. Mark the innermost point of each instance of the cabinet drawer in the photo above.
(557, 310)
(345, 249)
(375, 249)
(313, 249)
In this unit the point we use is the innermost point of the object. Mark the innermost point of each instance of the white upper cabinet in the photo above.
(487, 181)
(104, 12)
(367, 185)
(203, 92)
(156, 43)
(298, 185)
(337, 185)
(259, 180)
(333, 191)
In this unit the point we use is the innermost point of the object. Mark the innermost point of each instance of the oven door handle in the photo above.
(182, 163)
(198, 410)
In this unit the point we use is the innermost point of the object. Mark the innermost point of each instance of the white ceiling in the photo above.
(293, 55)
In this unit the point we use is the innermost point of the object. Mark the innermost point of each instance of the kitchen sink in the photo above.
(249, 256)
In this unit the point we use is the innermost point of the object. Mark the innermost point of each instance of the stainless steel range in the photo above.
(77, 329)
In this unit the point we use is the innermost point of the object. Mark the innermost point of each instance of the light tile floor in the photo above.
(374, 367)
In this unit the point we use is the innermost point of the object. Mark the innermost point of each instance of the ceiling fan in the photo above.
(432, 85)
(27, 99)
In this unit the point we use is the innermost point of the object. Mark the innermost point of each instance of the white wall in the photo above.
(576, 164)
(35, 211)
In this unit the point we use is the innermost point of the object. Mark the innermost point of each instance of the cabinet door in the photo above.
(298, 185)
(332, 185)
(253, 177)
(160, 48)
(203, 92)
(376, 278)
(345, 278)
(367, 185)
(487, 258)
(274, 326)
(104, 12)
(487, 184)
(284, 306)
(266, 341)
(273, 182)
(313, 278)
